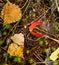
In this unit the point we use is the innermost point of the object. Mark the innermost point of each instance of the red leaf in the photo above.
(32, 27)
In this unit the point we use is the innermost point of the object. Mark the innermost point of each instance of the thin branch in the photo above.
(48, 36)
(24, 4)
(37, 56)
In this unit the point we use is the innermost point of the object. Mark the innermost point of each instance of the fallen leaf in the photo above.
(18, 39)
(54, 55)
(11, 13)
(15, 50)
(58, 9)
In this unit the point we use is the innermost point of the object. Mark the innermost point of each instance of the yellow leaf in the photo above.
(11, 13)
(54, 55)
(19, 51)
(58, 9)
(15, 50)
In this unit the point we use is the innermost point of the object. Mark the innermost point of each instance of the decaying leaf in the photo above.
(11, 13)
(54, 55)
(18, 38)
(15, 50)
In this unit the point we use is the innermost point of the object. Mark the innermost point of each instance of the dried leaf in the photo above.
(15, 50)
(18, 38)
(54, 55)
(11, 13)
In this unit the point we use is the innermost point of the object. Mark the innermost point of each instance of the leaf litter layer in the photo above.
(37, 50)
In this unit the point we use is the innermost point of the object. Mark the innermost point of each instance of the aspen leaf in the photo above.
(11, 13)
(15, 50)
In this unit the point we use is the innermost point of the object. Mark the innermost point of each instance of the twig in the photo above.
(40, 62)
(52, 38)
(3, 48)
(37, 57)
(56, 4)
(31, 51)
(44, 31)
(49, 36)
(43, 62)
(36, 54)
(26, 7)
(29, 38)
(24, 4)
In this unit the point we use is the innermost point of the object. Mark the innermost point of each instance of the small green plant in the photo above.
(53, 49)
(50, 0)
(34, 64)
(1, 42)
(31, 60)
(46, 42)
(27, 51)
(41, 42)
(17, 59)
(5, 54)
(45, 50)
(4, 33)
(56, 28)
(7, 26)
(55, 63)
(48, 58)
(32, 14)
